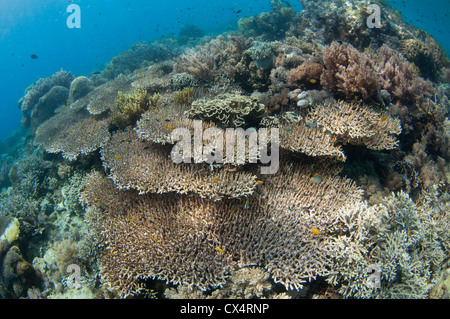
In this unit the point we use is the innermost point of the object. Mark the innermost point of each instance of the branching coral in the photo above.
(397, 238)
(147, 167)
(197, 242)
(356, 124)
(228, 110)
(73, 133)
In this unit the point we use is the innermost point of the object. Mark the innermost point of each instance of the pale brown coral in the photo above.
(301, 137)
(72, 133)
(228, 110)
(147, 167)
(198, 242)
(356, 124)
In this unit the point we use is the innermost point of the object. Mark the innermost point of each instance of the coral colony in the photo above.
(302, 155)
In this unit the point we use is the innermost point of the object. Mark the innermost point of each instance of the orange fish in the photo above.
(315, 231)
(220, 250)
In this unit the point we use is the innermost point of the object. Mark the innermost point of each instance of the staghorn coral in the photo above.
(147, 167)
(228, 110)
(198, 242)
(348, 72)
(300, 137)
(399, 238)
(72, 133)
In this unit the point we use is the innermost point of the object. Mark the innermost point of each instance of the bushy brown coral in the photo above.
(401, 78)
(348, 72)
(129, 107)
(72, 133)
(307, 73)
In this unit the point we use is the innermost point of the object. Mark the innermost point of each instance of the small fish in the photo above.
(313, 123)
(154, 238)
(34, 56)
(216, 179)
(315, 231)
(118, 158)
(288, 130)
(220, 250)
(132, 219)
(170, 127)
(316, 178)
(313, 81)
(384, 118)
(49, 138)
(246, 205)
(259, 182)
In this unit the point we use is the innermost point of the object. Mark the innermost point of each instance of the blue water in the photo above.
(109, 27)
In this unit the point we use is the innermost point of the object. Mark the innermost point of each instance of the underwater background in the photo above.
(91, 206)
(110, 27)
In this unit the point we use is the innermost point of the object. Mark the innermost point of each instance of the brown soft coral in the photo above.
(348, 72)
(400, 77)
(308, 72)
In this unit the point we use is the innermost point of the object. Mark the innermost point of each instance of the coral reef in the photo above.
(360, 135)
(129, 107)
